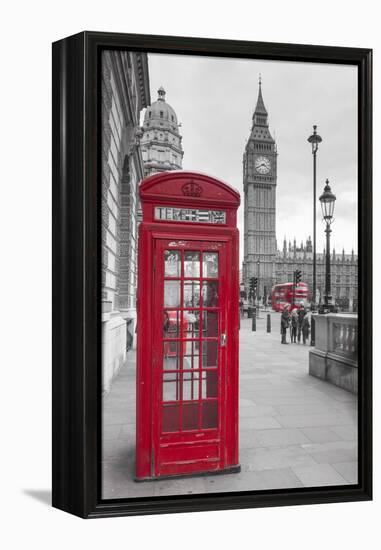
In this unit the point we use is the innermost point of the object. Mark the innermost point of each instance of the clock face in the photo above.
(263, 165)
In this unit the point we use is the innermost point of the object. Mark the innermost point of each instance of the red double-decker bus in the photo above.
(288, 293)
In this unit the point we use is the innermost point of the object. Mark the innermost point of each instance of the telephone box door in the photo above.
(190, 334)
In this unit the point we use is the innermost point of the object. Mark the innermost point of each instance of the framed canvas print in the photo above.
(212, 274)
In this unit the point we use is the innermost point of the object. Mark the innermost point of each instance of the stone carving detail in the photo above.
(192, 189)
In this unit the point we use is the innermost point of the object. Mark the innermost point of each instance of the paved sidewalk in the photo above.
(295, 430)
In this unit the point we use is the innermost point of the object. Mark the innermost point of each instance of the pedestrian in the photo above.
(301, 314)
(305, 328)
(284, 323)
(294, 325)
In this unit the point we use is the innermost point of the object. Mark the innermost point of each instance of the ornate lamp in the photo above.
(314, 139)
(327, 201)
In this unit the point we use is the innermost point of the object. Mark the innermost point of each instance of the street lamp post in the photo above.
(258, 287)
(327, 200)
(314, 139)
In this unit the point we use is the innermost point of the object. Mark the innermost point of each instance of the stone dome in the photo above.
(160, 112)
(161, 141)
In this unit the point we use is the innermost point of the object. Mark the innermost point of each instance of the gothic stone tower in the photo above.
(259, 183)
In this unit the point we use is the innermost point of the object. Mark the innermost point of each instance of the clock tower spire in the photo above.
(260, 116)
(259, 182)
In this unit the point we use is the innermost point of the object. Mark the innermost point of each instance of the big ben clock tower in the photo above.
(259, 183)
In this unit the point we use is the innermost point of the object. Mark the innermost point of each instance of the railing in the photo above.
(345, 339)
(334, 357)
(337, 333)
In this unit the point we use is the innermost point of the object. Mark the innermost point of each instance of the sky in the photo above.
(214, 99)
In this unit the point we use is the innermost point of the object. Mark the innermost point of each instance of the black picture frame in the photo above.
(76, 274)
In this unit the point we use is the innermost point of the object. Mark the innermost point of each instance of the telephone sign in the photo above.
(188, 321)
(189, 215)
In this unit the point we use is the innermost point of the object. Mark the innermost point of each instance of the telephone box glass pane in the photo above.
(191, 358)
(191, 294)
(171, 293)
(190, 386)
(210, 264)
(171, 324)
(209, 386)
(191, 323)
(210, 323)
(171, 355)
(210, 294)
(191, 264)
(171, 386)
(209, 414)
(210, 353)
(172, 263)
(171, 418)
(190, 415)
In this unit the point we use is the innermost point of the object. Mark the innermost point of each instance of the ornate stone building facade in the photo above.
(161, 141)
(125, 92)
(259, 184)
(344, 272)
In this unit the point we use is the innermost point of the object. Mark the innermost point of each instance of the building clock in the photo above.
(263, 165)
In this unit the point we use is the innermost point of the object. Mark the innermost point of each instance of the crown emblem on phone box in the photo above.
(192, 189)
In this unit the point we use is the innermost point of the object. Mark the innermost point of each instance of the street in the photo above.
(295, 430)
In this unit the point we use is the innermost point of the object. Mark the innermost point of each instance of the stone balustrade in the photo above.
(334, 357)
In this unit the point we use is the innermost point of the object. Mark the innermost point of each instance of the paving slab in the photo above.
(284, 437)
(259, 423)
(348, 432)
(332, 452)
(269, 458)
(319, 475)
(304, 408)
(307, 420)
(320, 434)
(349, 470)
(256, 410)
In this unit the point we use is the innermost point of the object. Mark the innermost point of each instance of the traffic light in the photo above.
(253, 285)
(298, 276)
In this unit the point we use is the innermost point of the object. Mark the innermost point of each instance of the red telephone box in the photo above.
(188, 326)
